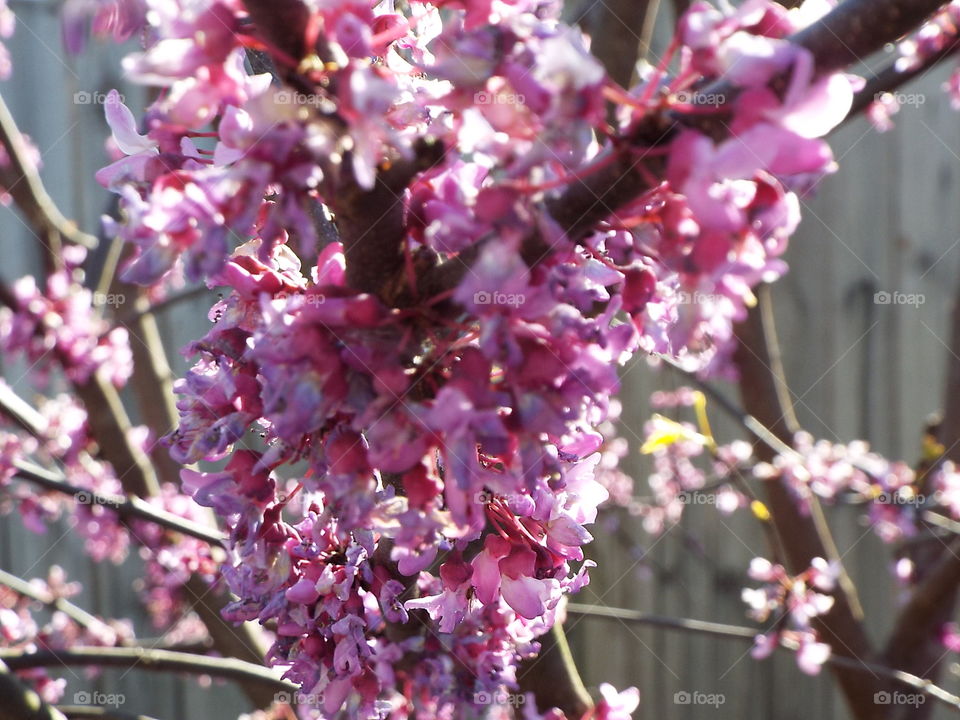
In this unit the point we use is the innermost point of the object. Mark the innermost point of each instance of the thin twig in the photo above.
(74, 612)
(22, 181)
(737, 632)
(129, 507)
(21, 412)
(170, 300)
(141, 658)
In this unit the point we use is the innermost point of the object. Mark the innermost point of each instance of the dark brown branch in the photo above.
(283, 24)
(110, 426)
(152, 379)
(370, 222)
(949, 429)
(921, 616)
(553, 678)
(890, 79)
(850, 32)
(856, 29)
(21, 703)
(244, 642)
(139, 658)
(680, 7)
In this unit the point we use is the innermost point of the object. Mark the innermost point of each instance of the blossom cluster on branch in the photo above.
(403, 411)
(439, 454)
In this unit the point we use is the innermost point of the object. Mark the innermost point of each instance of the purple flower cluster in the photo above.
(408, 489)
(793, 602)
(60, 326)
(390, 485)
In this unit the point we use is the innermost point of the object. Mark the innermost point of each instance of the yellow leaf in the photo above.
(760, 511)
(667, 433)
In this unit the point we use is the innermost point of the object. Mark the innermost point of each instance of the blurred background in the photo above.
(887, 221)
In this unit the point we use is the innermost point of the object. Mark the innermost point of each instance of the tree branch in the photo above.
(856, 29)
(553, 678)
(371, 222)
(736, 632)
(128, 508)
(890, 79)
(914, 644)
(804, 535)
(921, 615)
(282, 24)
(748, 422)
(59, 604)
(139, 310)
(244, 642)
(108, 421)
(21, 703)
(19, 177)
(21, 412)
(139, 658)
